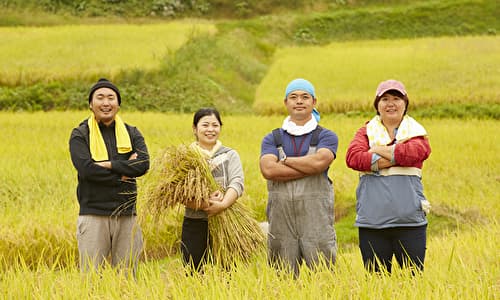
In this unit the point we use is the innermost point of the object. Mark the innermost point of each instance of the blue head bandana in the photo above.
(300, 84)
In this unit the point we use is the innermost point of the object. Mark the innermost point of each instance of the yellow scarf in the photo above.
(98, 147)
(378, 135)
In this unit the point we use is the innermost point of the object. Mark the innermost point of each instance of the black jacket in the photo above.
(102, 191)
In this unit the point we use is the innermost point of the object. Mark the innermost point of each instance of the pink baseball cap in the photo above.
(388, 85)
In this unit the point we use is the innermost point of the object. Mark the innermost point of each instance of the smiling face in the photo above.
(300, 105)
(207, 131)
(105, 105)
(391, 108)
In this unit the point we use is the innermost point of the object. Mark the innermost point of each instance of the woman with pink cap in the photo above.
(389, 152)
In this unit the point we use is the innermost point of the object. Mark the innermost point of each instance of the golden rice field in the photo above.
(38, 257)
(461, 265)
(346, 74)
(38, 251)
(31, 54)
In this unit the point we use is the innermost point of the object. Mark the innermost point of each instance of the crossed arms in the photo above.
(295, 167)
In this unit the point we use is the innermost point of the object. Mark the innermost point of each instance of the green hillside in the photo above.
(225, 69)
(168, 9)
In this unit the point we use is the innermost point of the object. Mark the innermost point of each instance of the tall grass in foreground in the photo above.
(38, 182)
(31, 54)
(346, 74)
(460, 265)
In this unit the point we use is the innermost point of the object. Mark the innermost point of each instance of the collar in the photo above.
(294, 129)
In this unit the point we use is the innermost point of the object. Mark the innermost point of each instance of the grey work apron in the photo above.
(301, 217)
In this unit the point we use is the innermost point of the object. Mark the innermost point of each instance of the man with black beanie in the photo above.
(108, 155)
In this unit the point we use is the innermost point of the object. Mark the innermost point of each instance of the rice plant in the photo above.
(32, 54)
(345, 74)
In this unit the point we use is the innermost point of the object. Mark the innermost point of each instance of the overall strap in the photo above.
(278, 141)
(315, 136)
(314, 139)
(314, 144)
(277, 137)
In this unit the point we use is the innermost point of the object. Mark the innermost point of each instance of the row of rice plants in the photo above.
(459, 265)
(32, 54)
(345, 74)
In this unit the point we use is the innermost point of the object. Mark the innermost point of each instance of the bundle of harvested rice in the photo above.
(181, 175)
(235, 235)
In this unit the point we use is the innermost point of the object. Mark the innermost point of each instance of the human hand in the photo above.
(104, 164)
(384, 163)
(216, 196)
(132, 157)
(384, 151)
(216, 203)
(375, 149)
(215, 207)
(426, 206)
(126, 178)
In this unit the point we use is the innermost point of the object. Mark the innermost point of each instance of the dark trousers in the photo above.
(407, 244)
(194, 242)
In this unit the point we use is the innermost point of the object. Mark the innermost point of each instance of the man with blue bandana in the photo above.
(295, 160)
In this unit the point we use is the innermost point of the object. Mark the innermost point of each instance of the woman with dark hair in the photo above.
(227, 171)
(389, 152)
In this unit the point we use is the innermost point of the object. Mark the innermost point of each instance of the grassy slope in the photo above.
(225, 70)
(29, 12)
(418, 19)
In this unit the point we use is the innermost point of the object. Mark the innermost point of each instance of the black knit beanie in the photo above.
(101, 83)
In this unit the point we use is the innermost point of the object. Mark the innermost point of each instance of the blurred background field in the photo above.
(44, 54)
(238, 57)
(437, 71)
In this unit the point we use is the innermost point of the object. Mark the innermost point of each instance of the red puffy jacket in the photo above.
(410, 153)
